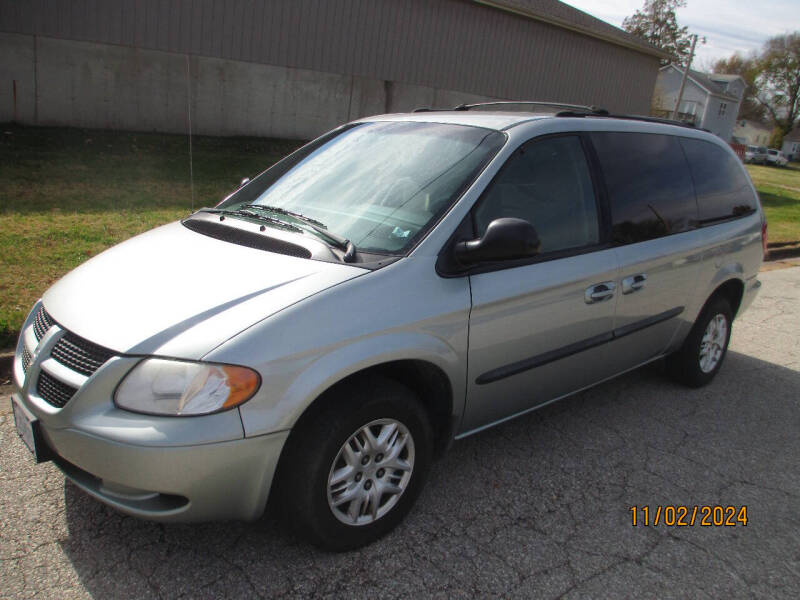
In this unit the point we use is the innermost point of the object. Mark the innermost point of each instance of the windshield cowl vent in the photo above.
(246, 238)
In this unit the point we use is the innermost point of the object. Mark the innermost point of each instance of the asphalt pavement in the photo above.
(537, 508)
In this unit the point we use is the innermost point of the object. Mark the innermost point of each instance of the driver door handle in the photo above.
(633, 283)
(600, 292)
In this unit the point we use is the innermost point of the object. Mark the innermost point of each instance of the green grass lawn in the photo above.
(779, 189)
(68, 194)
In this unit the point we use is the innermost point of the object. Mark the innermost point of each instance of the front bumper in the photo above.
(160, 468)
(203, 482)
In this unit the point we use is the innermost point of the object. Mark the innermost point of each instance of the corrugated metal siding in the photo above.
(447, 44)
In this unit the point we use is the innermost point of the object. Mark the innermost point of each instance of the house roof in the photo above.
(563, 15)
(706, 82)
(724, 77)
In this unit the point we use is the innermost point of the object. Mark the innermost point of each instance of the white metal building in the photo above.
(295, 68)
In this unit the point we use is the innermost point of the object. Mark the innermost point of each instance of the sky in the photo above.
(728, 25)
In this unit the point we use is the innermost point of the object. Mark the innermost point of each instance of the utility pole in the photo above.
(683, 79)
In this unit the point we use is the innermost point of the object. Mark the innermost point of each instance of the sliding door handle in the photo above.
(600, 292)
(633, 283)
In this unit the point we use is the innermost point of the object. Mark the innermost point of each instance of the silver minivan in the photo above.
(401, 282)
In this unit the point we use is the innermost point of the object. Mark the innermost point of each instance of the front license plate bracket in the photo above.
(30, 432)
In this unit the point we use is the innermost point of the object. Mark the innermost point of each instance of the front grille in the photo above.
(72, 351)
(26, 359)
(41, 323)
(53, 391)
(79, 354)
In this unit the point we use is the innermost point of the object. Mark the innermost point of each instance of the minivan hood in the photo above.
(174, 292)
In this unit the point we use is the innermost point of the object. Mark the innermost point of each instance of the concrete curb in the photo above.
(783, 252)
(6, 364)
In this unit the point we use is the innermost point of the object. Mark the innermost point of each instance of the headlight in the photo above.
(178, 388)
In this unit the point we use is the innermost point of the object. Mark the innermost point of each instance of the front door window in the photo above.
(546, 183)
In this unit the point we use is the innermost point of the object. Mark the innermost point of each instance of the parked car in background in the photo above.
(403, 281)
(776, 158)
(756, 155)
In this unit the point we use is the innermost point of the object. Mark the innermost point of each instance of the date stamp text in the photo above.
(688, 516)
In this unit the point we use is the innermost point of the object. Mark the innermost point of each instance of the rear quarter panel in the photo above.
(730, 250)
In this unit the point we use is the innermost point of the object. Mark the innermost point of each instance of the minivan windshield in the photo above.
(380, 185)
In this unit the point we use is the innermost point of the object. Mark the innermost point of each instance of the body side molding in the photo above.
(581, 346)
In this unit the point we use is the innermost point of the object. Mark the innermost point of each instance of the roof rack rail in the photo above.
(588, 109)
(572, 110)
(654, 120)
(647, 119)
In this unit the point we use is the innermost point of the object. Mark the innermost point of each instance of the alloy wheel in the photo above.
(713, 343)
(370, 472)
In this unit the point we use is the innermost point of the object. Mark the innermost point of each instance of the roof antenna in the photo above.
(189, 113)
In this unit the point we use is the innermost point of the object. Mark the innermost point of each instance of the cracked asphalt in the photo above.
(537, 507)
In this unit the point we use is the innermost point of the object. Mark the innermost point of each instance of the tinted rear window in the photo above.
(649, 185)
(722, 188)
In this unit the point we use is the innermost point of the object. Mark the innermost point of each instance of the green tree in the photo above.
(748, 69)
(776, 138)
(779, 80)
(657, 24)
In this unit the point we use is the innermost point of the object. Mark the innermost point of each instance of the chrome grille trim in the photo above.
(71, 358)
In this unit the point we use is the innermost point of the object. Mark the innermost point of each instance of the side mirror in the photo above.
(505, 239)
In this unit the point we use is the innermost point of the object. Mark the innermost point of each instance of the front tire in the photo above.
(701, 355)
(353, 471)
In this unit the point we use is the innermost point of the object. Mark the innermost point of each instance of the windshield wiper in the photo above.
(343, 244)
(289, 213)
(253, 215)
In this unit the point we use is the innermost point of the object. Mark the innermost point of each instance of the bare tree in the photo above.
(657, 24)
(779, 80)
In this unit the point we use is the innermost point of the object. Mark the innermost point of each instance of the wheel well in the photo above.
(425, 379)
(432, 387)
(732, 290)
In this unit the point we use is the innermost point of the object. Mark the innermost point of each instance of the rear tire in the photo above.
(389, 438)
(702, 353)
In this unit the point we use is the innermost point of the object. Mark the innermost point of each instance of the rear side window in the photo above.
(723, 191)
(649, 185)
(547, 183)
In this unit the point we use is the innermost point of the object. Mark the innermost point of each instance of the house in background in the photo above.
(791, 145)
(751, 133)
(710, 101)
